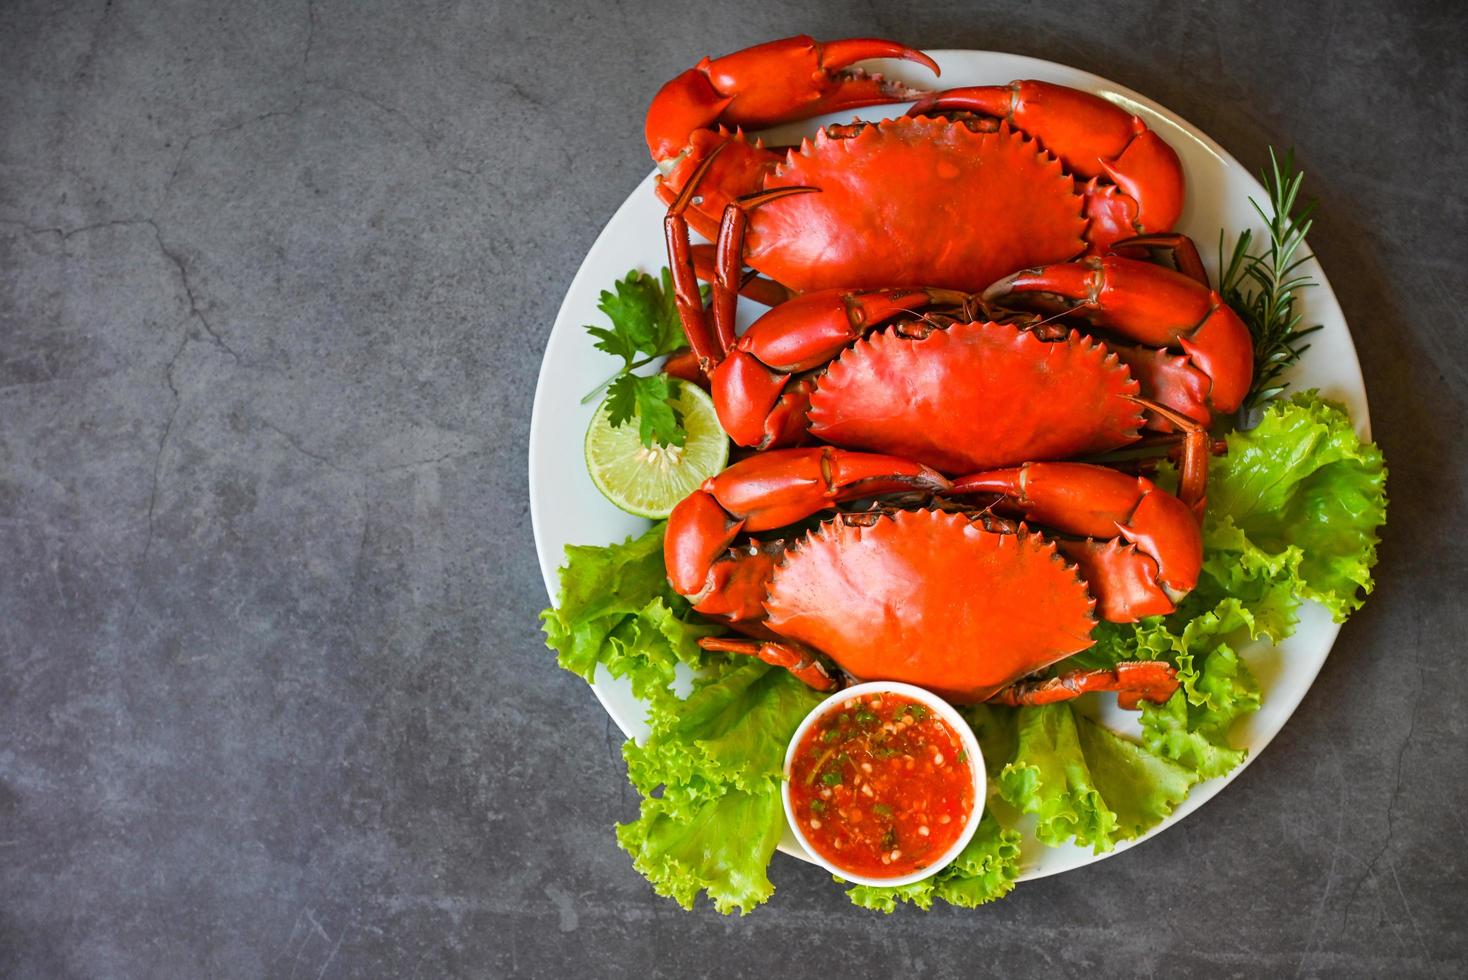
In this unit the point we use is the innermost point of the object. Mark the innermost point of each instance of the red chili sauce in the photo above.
(881, 786)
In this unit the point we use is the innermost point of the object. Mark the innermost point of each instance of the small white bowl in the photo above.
(945, 711)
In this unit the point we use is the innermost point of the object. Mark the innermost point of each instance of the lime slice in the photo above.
(650, 482)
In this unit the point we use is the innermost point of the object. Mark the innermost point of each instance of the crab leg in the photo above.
(794, 657)
(750, 386)
(729, 257)
(779, 81)
(1157, 307)
(686, 293)
(683, 364)
(1134, 681)
(1093, 138)
(753, 286)
(1163, 551)
(759, 493)
(709, 347)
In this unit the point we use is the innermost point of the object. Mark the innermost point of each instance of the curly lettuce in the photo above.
(984, 871)
(1083, 782)
(709, 770)
(616, 611)
(714, 843)
(1294, 512)
(1299, 499)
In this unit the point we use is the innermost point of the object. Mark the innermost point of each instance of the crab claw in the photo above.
(1093, 138)
(1155, 306)
(1146, 576)
(780, 487)
(770, 490)
(799, 335)
(771, 83)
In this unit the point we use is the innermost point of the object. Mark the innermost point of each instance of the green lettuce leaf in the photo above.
(1299, 497)
(617, 611)
(719, 843)
(710, 767)
(1294, 510)
(710, 773)
(1048, 777)
(1194, 732)
(983, 872)
(731, 731)
(1084, 782)
(1138, 785)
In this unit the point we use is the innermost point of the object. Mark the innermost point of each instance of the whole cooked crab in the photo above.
(971, 184)
(951, 380)
(957, 599)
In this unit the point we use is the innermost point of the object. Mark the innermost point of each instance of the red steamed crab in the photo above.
(946, 378)
(958, 600)
(971, 184)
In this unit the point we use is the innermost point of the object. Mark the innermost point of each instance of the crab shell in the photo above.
(975, 396)
(930, 598)
(907, 202)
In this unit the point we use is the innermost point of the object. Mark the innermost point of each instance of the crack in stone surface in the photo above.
(209, 134)
(295, 443)
(173, 257)
(428, 142)
(162, 446)
(299, 104)
(310, 36)
(183, 276)
(1391, 809)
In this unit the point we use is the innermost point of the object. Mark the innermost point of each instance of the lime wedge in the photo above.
(650, 482)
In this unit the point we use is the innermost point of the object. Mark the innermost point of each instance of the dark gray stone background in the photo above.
(273, 699)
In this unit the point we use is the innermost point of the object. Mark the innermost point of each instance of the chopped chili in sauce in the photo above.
(881, 786)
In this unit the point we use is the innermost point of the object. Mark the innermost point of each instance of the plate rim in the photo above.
(1200, 793)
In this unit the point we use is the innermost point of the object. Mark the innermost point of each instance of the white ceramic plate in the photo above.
(566, 508)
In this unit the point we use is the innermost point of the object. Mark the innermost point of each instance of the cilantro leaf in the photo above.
(622, 399)
(644, 315)
(658, 420)
(648, 399)
(614, 343)
(645, 326)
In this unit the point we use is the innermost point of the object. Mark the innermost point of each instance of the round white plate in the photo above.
(565, 507)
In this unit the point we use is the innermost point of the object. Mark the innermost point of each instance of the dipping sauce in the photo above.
(881, 786)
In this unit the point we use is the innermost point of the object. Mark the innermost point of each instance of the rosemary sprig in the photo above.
(1263, 287)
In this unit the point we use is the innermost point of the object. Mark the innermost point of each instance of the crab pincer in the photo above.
(1159, 308)
(1139, 547)
(1094, 139)
(778, 81)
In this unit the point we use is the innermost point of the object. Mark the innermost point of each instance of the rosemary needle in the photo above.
(1263, 287)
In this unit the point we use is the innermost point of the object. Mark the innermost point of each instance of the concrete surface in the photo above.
(273, 700)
